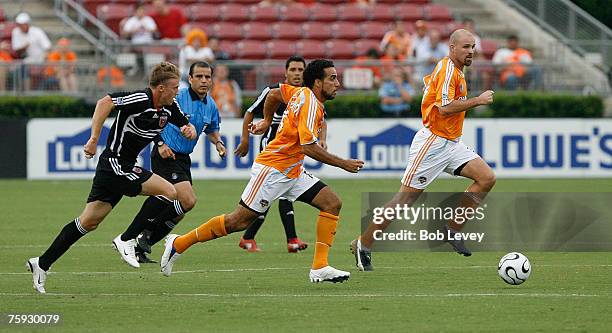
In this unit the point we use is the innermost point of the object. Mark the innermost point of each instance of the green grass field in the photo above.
(219, 287)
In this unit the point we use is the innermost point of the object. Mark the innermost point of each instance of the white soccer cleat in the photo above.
(39, 276)
(328, 274)
(170, 255)
(127, 250)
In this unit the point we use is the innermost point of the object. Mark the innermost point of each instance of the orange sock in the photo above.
(326, 231)
(212, 229)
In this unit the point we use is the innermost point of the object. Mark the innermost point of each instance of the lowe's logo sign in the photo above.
(387, 151)
(66, 153)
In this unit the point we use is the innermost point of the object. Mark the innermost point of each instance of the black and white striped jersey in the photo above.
(257, 109)
(137, 123)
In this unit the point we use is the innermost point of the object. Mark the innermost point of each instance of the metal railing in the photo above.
(571, 25)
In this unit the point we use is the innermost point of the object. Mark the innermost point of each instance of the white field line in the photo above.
(532, 295)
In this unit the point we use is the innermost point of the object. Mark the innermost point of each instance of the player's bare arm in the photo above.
(457, 106)
(165, 152)
(315, 151)
(243, 147)
(104, 106)
(273, 100)
(323, 135)
(215, 139)
(189, 132)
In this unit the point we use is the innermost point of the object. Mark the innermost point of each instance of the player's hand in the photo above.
(259, 128)
(353, 166)
(90, 148)
(486, 97)
(220, 149)
(243, 149)
(188, 131)
(166, 152)
(323, 144)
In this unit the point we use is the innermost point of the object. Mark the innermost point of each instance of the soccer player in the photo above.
(170, 159)
(294, 70)
(437, 147)
(279, 171)
(141, 116)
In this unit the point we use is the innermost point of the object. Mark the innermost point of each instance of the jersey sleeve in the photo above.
(287, 91)
(215, 120)
(445, 85)
(130, 102)
(177, 117)
(257, 107)
(309, 120)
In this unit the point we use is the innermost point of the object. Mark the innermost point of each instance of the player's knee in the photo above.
(488, 180)
(188, 203)
(170, 193)
(89, 224)
(333, 205)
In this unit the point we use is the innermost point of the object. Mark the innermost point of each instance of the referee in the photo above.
(170, 159)
(294, 70)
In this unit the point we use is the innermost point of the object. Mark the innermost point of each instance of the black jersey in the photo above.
(137, 123)
(257, 109)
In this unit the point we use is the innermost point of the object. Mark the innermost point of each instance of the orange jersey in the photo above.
(301, 125)
(445, 84)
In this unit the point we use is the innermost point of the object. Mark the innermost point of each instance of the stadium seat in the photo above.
(257, 31)
(340, 49)
(332, 2)
(6, 29)
(438, 13)
(92, 5)
(374, 29)
(363, 45)
(317, 31)
(229, 47)
(208, 13)
(346, 30)
(352, 12)
(265, 14)
(281, 49)
(245, 2)
(296, 12)
(205, 26)
(287, 30)
(228, 31)
(323, 13)
(488, 48)
(249, 49)
(276, 73)
(382, 13)
(186, 2)
(235, 13)
(408, 12)
(311, 49)
(112, 14)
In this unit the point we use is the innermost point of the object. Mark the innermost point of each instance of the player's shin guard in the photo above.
(69, 235)
(326, 231)
(285, 208)
(212, 229)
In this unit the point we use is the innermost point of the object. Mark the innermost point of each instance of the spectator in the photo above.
(395, 93)
(195, 49)
(226, 93)
(399, 38)
(218, 53)
(421, 36)
(5, 59)
(516, 67)
(370, 60)
(29, 42)
(170, 20)
(428, 54)
(140, 28)
(112, 73)
(61, 66)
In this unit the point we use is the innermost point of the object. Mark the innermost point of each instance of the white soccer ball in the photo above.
(514, 268)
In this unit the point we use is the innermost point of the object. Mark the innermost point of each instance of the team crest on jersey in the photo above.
(163, 120)
(264, 203)
(137, 169)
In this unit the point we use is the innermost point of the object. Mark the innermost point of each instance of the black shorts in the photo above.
(174, 171)
(114, 179)
(269, 136)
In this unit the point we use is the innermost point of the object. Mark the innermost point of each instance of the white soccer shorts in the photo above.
(268, 184)
(430, 155)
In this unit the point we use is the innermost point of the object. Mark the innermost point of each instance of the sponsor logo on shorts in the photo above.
(174, 176)
(264, 203)
(422, 180)
(137, 169)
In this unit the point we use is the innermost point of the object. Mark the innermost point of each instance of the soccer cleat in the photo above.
(295, 244)
(142, 242)
(170, 255)
(127, 250)
(458, 245)
(39, 276)
(363, 257)
(328, 274)
(249, 244)
(143, 259)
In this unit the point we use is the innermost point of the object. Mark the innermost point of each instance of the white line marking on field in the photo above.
(535, 295)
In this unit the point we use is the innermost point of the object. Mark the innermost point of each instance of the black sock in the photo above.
(254, 227)
(160, 230)
(69, 235)
(285, 208)
(150, 210)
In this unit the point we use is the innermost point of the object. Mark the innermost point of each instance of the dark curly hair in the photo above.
(315, 70)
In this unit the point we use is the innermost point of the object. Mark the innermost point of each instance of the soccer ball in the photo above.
(514, 268)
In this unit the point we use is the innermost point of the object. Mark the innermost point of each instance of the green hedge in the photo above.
(520, 105)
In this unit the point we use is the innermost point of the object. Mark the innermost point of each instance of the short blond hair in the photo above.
(163, 72)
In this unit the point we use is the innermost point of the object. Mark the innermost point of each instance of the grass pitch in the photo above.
(219, 287)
